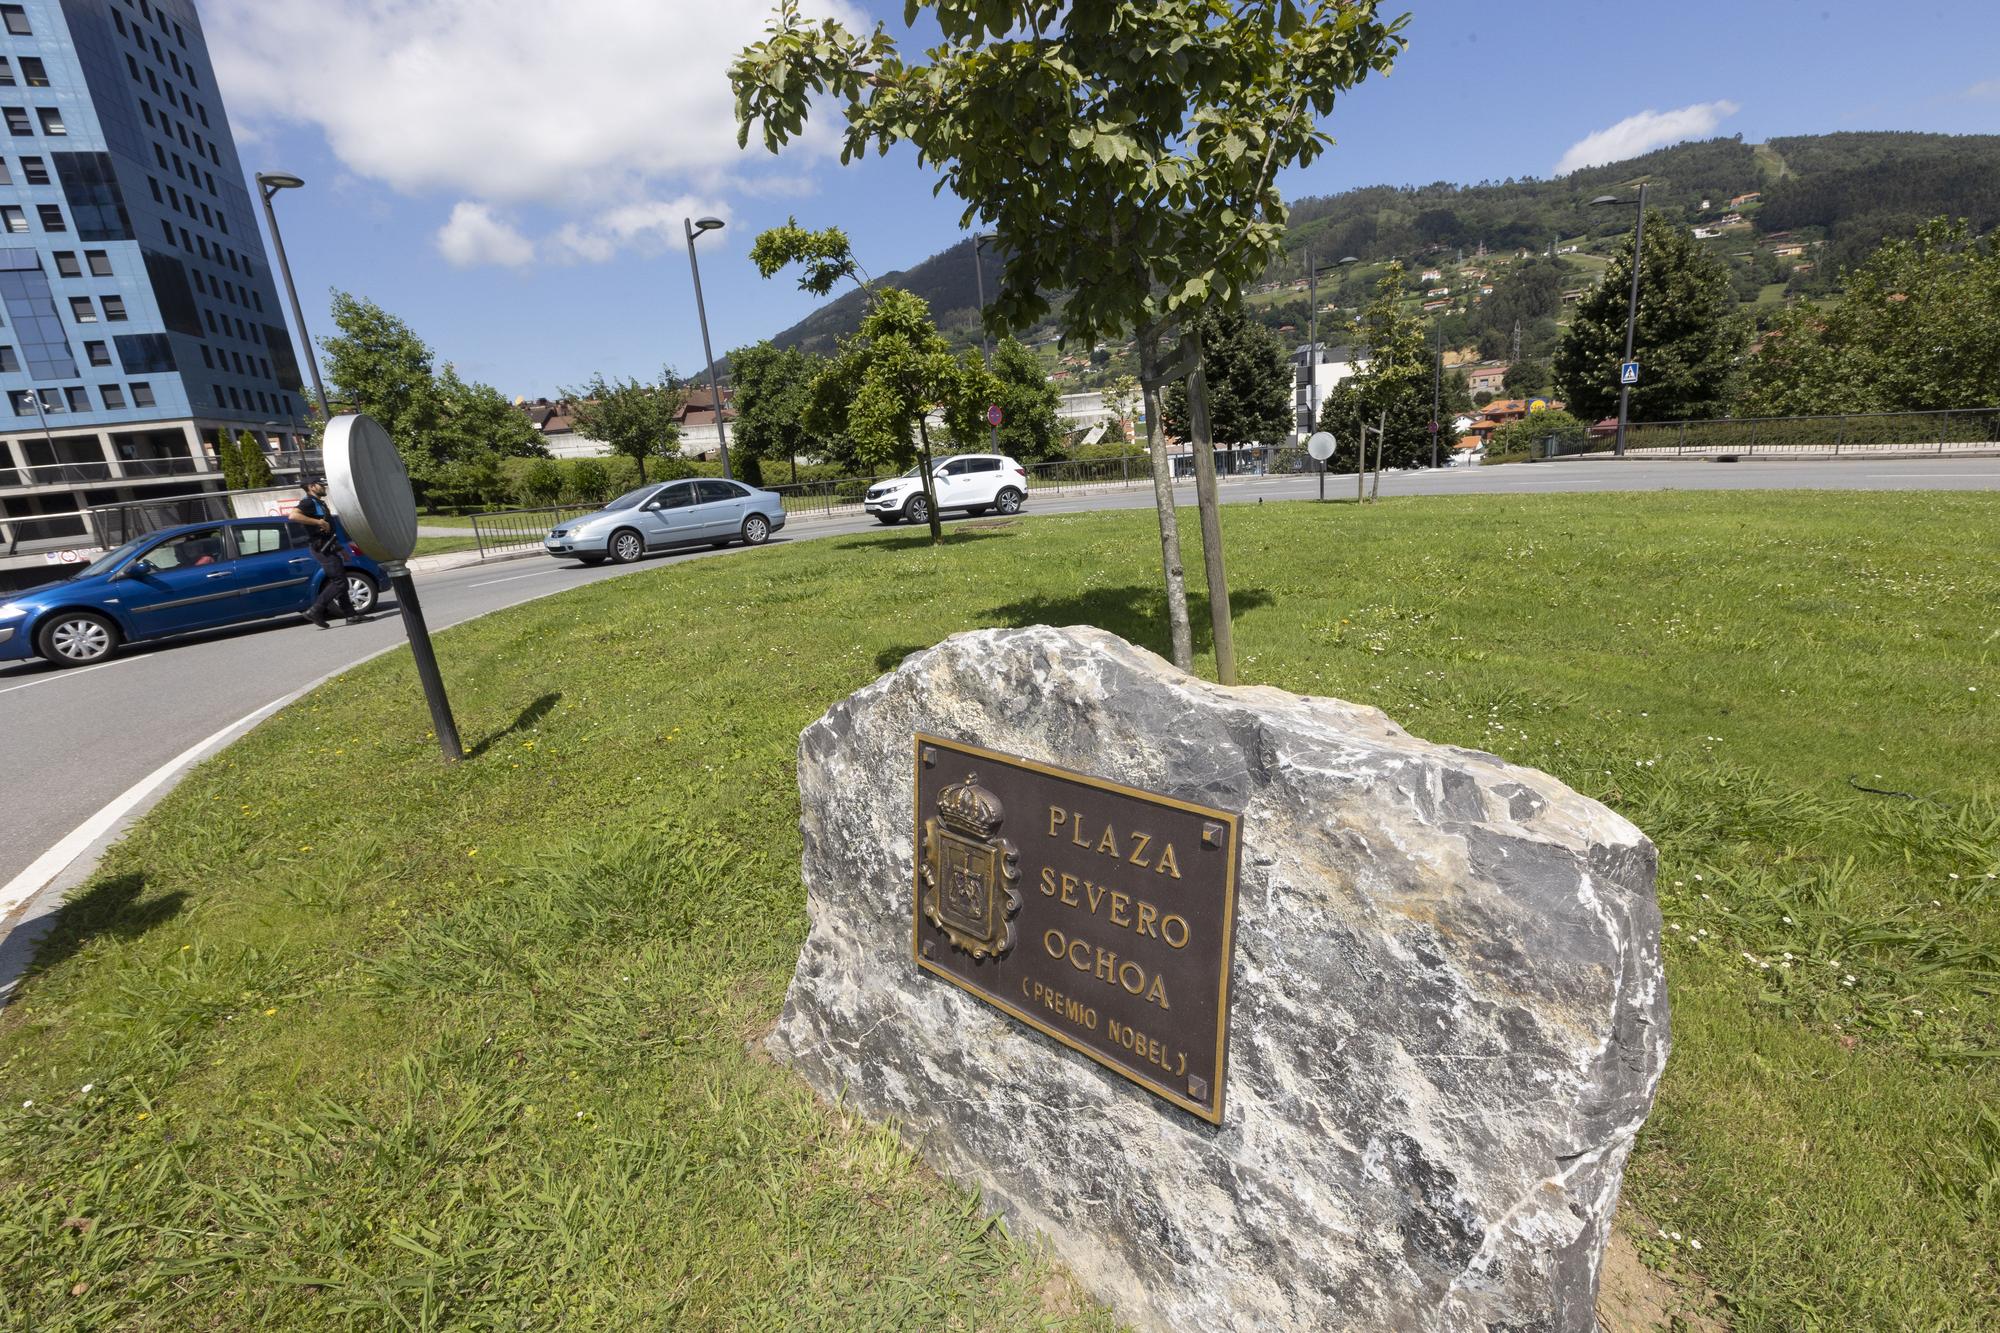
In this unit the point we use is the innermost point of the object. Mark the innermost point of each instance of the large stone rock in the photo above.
(1448, 1014)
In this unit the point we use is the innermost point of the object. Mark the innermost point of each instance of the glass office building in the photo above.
(139, 321)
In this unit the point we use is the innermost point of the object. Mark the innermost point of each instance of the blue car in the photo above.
(197, 576)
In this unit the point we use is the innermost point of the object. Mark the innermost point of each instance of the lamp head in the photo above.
(1608, 199)
(278, 180)
(708, 224)
(1350, 259)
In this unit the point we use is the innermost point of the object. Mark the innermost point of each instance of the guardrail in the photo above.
(1958, 430)
(519, 529)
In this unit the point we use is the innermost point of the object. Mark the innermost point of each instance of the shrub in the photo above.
(1523, 438)
(540, 483)
(590, 480)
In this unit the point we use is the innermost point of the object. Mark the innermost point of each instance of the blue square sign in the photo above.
(1629, 373)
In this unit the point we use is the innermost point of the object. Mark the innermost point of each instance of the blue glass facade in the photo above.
(131, 259)
(138, 316)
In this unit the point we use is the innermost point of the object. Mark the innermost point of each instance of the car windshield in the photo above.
(630, 498)
(110, 560)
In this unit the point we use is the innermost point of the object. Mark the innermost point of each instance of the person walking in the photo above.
(313, 512)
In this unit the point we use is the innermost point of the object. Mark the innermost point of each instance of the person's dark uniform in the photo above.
(324, 542)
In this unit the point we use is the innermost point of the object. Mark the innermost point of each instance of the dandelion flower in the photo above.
(1695, 1244)
(25, 1105)
(86, 1087)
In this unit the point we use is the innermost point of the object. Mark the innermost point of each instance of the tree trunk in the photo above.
(1381, 429)
(1360, 459)
(1211, 518)
(930, 483)
(1163, 502)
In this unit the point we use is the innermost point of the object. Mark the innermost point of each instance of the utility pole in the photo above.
(1312, 344)
(979, 239)
(1437, 387)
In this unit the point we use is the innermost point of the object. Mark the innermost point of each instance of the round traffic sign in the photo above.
(993, 414)
(1320, 446)
(370, 488)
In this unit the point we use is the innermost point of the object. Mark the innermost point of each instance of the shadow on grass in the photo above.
(953, 536)
(528, 717)
(114, 909)
(1135, 613)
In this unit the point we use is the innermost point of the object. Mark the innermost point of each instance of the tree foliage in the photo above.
(1249, 383)
(1689, 333)
(773, 395)
(1393, 390)
(1520, 439)
(637, 420)
(452, 433)
(1031, 426)
(254, 468)
(1917, 328)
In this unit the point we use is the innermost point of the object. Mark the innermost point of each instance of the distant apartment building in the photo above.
(141, 321)
(1316, 369)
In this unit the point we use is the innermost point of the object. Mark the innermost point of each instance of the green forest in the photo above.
(1497, 266)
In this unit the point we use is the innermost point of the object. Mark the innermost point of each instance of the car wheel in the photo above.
(756, 530)
(625, 547)
(917, 510)
(361, 593)
(76, 638)
(1008, 501)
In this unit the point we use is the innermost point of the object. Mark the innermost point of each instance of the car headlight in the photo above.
(13, 610)
(555, 532)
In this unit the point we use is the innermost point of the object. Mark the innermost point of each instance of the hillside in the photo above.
(1506, 253)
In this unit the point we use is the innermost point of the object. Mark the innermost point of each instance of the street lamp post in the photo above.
(695, 226)
(1437, 387)
(1312, 333)
(979, 239)
(1631, 310)
(268, 184)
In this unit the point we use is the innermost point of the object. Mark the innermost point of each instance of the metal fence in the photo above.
(1962, 430)
(519, 529)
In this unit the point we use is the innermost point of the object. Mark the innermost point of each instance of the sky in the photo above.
(510, 176)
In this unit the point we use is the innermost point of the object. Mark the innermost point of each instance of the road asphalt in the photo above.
(71, 742)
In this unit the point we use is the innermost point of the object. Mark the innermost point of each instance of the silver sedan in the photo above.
(668, 514)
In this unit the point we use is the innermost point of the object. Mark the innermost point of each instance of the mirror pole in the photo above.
(419, 634)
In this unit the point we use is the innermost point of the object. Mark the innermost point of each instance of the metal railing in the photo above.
(1855, 434)
(519, 529)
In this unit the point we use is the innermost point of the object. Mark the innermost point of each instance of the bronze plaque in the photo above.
(1097, 913)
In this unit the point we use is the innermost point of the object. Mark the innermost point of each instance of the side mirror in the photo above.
(137, 569)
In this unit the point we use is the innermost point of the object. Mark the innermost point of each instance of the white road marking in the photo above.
(70, 674)
(511, 578)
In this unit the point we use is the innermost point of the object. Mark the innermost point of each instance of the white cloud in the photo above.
(590, 104)
(475, 236)
(1985, 90)
(647, 224)
(1643, 133)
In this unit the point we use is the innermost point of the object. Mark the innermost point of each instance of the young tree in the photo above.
(883, 382)
(1249, 383)
(229, 456)
(1918, 328)
(1121, 400)
(1124, 152)
(253, 468)
(1520, 439)
(1030, 426)
(773, 393)
(638, 420)
(1689, 333)
(1392, 394)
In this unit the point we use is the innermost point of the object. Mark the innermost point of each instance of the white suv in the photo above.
(972, 482)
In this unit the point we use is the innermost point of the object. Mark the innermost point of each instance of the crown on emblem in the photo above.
(969, 808)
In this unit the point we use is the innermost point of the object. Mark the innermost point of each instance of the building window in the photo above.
(18, 123)
(34, 171)
(98, 354)
(168, 228)
(118, 22)
(83, 311)
(142, 395)
(52, 218)
(207, 357)
(114, 309)
(52, 122)
(145, 107)
(133, 66)
(23, 401)
(13, 218)
(52, 401)
(79, 398)
(66, 264)
(220, 401)
(235, 399)
(16, 19)
(158, 198)
(209, 315)
(100, 263)
(6, 176)
(114, 397)
(6, 73)
(34, 73)
(9, 363)
(161, 154)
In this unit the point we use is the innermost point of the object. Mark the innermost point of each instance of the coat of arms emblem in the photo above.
(969, 871)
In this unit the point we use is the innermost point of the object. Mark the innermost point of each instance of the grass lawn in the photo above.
(342, 1038)
(445, 545)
